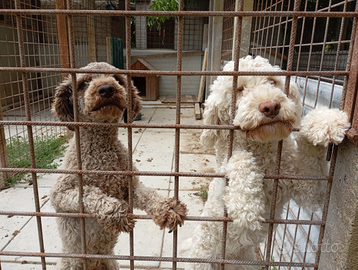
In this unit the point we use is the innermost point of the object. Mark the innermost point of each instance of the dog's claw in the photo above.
(170, 231)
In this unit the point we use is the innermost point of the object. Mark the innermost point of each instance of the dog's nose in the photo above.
(270, 108)
(106, 90)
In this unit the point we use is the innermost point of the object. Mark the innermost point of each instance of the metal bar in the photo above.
(157, 173)
(279, 148)
(71, 41)
(232, 116)
(177, 121)
(152, 258)
(295, 14)
(149, 217)
(129, 130)
(326, 204)
(179, 73)
(19, 29)
(63, 37)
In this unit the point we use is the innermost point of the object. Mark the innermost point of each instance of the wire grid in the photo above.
(26, 69)
(41, 50)
(228, 32)
(320, 44)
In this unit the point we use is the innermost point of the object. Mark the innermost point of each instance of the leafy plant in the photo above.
(164, 5)
(261, 267)
(47, 149)
(203, 193)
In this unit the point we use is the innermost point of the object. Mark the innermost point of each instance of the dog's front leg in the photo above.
(319, 128)
(167, 212)
(111, 213)
(245, 198)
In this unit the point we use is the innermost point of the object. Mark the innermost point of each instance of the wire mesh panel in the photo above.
(44, 40)
(320, 44)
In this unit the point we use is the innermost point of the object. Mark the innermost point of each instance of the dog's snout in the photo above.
(270, 108)
(106, 90)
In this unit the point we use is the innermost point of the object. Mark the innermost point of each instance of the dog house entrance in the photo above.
(148, 85)
(140, 82)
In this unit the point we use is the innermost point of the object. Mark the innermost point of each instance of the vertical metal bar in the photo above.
(337, 56)
(310, 54)
(177, 130)
(130, 119)
(273, 32)
(284, 36)
(323, 54)
(326, 205)
(267, 32)
(30, 134)
(4, 162)
(301, 38)
(278, 36)
(232, 116)
(349, 93)
(284, 235)
(279, 148)
(352, 51)
(71, 40)
(308, 239)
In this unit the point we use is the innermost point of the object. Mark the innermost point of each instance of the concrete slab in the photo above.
(25, 265)
(195, 206)
(148, 239)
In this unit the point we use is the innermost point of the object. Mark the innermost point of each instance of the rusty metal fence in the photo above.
(284, 17)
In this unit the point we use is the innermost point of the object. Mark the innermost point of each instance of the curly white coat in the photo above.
(248, 195)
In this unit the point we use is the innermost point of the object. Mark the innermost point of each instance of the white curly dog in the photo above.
(265, 115)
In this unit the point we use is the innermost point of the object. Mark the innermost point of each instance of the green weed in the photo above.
(47, 149)
(203, 193)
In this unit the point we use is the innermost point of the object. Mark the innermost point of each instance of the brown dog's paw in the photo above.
(119, 220)
(169, 214)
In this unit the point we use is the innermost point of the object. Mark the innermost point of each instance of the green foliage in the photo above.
(165, 5)
(47, 149)
(203, 193)
(261, 267)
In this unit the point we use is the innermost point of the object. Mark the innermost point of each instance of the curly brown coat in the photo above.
(102, 98)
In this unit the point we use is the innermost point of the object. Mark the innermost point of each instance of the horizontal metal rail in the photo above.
(178, 73)
(144, 217)
(152, 258)
(123, 125)
(157, 173)
(297, 14)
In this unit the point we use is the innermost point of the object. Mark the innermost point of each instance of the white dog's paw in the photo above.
(324, 126)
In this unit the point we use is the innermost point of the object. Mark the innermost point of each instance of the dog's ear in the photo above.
(62, 106)
(209, 136)
(136, 102)
(294, 95)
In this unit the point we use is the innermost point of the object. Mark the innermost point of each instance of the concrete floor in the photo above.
(153, 150)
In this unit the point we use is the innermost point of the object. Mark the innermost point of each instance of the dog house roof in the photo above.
(141, 64)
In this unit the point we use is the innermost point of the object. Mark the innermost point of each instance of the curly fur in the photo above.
(248, 196)
(102, 98)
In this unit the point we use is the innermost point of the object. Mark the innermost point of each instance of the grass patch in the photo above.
(47, 149)
(203, 193)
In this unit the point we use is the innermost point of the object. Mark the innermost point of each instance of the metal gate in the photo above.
(286, 32)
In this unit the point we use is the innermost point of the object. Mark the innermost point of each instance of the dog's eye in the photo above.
(240, 88)
(273, 82)
(83, 85)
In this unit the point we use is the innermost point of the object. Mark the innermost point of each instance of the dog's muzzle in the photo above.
(107, 97)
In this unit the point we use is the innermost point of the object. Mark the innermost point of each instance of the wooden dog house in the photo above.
(148, 85)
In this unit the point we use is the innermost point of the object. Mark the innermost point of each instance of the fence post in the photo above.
(62, 37)
(91, 31)
(4, 162)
